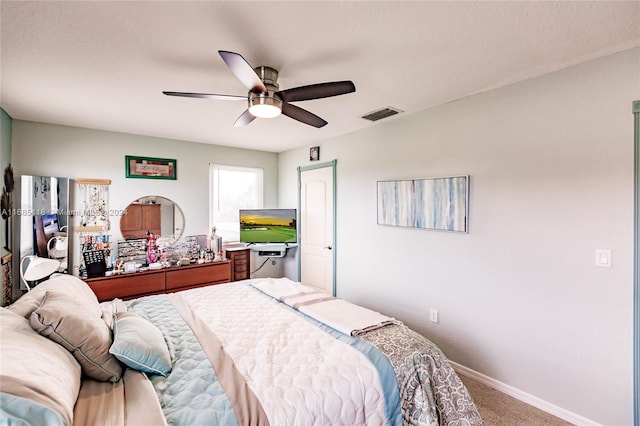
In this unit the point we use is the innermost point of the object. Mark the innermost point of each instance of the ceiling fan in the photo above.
(264, 97)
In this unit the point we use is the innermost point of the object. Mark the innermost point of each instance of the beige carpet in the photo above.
(497, 408)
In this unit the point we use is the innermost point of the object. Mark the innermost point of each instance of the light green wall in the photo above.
(519, 297)
(5, 139)
(52, 150)
(5, 160)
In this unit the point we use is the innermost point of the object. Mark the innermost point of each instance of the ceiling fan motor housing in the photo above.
(267, 102)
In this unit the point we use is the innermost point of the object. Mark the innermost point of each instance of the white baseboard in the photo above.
(524, 397)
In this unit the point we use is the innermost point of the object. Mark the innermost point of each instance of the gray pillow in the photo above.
(58, 283)
(81, 330)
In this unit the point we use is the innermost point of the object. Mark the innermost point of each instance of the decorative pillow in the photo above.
(58, 283)
(111, 307)
(37, 376)
(79, 330)
(139, 344)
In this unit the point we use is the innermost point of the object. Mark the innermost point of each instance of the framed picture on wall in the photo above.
(150, 168)
(437, 203)
(314, 153)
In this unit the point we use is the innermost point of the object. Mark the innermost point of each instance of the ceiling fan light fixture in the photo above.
(264, 105)
(265, 111)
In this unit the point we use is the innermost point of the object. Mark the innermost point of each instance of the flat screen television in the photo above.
(50, 224)
(262, 226)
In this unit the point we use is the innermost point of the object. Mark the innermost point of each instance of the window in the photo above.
(232, 188)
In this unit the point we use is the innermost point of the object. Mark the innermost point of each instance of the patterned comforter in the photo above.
(243, 357)
(431, 391)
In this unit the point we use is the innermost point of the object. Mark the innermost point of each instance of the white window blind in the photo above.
(232, 188)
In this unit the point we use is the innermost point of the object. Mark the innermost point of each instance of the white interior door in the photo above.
(316, 229)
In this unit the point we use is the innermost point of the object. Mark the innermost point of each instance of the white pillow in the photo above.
(110, 308)
(35, 371)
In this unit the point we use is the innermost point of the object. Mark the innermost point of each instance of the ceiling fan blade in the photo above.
(302, 115)
(241, 68)
(317, 91)
(207, 96)
(244, 119)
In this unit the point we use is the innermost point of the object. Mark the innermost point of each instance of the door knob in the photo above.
(329, 247)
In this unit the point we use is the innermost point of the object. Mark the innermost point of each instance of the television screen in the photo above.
(268, 226)
(50, 224)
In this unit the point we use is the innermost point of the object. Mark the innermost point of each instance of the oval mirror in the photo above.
(153, 213)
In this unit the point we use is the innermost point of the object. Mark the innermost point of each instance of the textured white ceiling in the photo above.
(104, 65)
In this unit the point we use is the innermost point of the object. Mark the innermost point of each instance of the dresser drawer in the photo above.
(128, 286)
(242, 275)
(241, 260)
(240, 266)
(198, 275)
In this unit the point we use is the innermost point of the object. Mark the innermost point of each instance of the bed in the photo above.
(262, 351)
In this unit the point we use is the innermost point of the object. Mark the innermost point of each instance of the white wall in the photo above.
(51, 150)
(520, 299)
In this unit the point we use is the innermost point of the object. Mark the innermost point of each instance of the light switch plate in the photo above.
(603, 258)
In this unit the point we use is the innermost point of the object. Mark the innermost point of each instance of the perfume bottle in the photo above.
(215, 245)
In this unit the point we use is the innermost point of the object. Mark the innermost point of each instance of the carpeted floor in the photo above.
(499, 409)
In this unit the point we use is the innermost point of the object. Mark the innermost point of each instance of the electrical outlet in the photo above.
(433, 315)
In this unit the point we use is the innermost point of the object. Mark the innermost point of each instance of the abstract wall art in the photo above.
(436, 203)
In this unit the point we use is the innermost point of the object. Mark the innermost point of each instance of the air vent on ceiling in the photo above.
(381, 113)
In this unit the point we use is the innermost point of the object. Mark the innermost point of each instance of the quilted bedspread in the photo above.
(244, 357)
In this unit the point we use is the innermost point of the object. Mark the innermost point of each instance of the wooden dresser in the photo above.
(137, 284)
(240, 263)
(139, 219)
